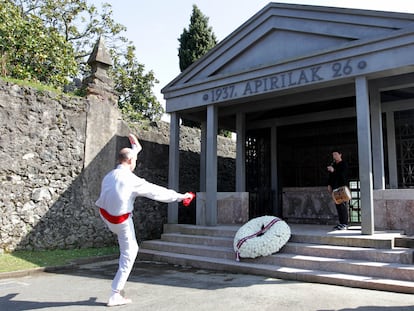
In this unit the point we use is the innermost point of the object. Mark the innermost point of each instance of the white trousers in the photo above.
(128, 248)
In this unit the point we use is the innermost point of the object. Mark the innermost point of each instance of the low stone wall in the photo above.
(232, 208)
(312, 205)
(394, 210)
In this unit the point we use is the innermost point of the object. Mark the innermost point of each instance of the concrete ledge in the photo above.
(394, 194)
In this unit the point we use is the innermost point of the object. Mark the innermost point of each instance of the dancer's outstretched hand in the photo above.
(188, 197)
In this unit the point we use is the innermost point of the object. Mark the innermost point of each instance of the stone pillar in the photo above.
(203, 156)
(103, 120)
(392, 151)
(99, 85)
(173, 169)
(364, 155)
(277, 210)
(241, 152)
(377, 141)
(211, 166)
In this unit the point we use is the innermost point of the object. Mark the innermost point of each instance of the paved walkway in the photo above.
(156, 286)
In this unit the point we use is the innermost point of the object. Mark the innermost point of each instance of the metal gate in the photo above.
(258, 173)
(404, 134)
(304, 151)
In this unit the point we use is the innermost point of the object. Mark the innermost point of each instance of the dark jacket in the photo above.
(339, 177)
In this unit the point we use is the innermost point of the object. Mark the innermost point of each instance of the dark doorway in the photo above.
(404, 134)
(304, 151)
(258, 173)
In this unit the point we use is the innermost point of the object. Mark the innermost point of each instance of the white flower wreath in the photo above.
(261, 236)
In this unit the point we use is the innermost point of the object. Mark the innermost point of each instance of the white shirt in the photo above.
(120, 187)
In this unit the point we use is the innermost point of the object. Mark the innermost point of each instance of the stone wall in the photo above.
(54, 152)
(312, 205)
(42, 143)
(394, 210)
(153, 166)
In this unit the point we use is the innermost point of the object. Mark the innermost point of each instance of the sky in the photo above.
(154, 26)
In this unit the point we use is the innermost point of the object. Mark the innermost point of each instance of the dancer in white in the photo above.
(119, 189)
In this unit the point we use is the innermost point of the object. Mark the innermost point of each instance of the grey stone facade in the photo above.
(335, 65)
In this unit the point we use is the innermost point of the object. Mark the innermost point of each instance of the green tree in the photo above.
(134, 86)
(29, 50)
(197, 40)
(81, 24)
(194, 43)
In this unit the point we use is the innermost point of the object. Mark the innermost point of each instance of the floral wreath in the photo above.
(261, 236)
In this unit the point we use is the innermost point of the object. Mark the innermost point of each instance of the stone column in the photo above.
(211, 166)
(241, 152)
(377, 141)
(364, 155)
(392, 151)
(173, 169)
(203, 156)
(277, 210)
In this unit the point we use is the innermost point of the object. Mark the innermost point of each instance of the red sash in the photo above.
(113, 219)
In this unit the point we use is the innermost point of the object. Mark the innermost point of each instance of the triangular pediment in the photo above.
(284, 32)
(277, 46)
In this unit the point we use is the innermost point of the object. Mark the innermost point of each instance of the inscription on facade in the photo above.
(285, 80)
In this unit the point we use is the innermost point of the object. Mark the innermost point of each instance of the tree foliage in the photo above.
(32, 51)
(197, 40)
(136, 99)
(195, 43)
(68, 31)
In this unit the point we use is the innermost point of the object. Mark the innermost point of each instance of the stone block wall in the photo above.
(42, 143)
(394, 210)
(312, 205)
(54, 152)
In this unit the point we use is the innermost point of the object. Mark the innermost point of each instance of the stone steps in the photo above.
(395, 255)
(350, 266)
(386, 268)
(400, 255)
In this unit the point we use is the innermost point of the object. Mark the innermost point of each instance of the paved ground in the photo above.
(154, 286)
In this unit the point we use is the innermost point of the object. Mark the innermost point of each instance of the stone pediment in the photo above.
(278, 46)
(280, 33)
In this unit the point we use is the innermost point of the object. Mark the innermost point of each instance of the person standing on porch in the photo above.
(338, 177)
(119, 189)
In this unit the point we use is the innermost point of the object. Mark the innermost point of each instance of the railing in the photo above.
(355, 203)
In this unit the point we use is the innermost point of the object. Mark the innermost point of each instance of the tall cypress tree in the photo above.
(194, 43)
(197, 40)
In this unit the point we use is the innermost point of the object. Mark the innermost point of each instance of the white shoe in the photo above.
(117, 300)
